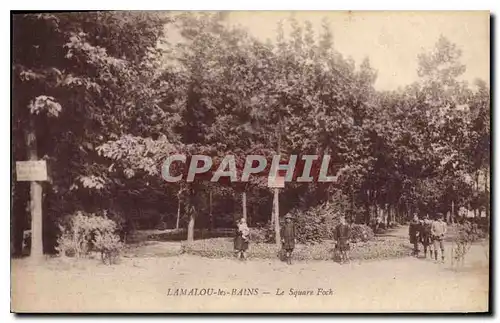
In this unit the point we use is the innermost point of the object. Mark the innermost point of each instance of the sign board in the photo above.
(33, 170)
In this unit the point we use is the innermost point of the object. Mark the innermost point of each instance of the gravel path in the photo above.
(142, 285)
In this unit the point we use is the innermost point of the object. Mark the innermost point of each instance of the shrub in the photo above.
(318, 224)
(82, 233)
(361, 232)
(315, 224)
(109, 245)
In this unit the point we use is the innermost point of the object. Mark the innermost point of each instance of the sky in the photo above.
(391, 40)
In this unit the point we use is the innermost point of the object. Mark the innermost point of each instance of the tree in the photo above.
(83, 93)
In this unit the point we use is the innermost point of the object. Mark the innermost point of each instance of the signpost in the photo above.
(276, 182)
(34, 171)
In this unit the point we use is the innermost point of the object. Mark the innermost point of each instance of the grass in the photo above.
(152, 249)
(375, 249)
(177, 234)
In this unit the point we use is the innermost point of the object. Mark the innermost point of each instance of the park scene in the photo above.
(138, 148)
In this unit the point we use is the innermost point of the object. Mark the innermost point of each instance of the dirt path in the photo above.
(142, 285)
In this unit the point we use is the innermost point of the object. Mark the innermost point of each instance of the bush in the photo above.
(223, 248)
(318, 224)
(361, 232)
(109, 245)
(315, 224)
(83, 233)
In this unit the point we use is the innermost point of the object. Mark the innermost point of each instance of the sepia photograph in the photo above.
(250, 162)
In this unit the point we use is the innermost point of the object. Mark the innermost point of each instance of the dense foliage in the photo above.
(111, 98)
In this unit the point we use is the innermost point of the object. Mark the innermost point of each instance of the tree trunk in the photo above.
(367, 207)
(210, 215)
(244, 204)
(276, 194)
(353, 218)
(178, 212)
(487, 206)
(477, 180)
(478, 205)
(35, 203)
(190, 233)
(453, 218)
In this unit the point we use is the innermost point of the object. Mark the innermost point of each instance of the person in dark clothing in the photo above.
(425, 235)
(288, 238)
(241, 240)
(342, 235)
(414, 232)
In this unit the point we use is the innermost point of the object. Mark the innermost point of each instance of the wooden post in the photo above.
(35, 203)
(277, 217)
(244, 204)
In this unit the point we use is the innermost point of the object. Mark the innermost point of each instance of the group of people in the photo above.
(288, 239)
(430, 233)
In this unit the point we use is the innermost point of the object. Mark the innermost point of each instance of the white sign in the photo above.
(33, 170)
(276, 181)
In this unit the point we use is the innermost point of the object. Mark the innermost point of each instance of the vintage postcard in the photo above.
(250, 161)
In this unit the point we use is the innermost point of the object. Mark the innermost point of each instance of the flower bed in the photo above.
(375, 249)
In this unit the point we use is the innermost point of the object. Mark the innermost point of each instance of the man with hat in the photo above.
(425, 234)
(414, 232)
(288, 238)
(438, 231)
(342, 235)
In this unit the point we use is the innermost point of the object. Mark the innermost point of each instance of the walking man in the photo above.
(438, 231)
(288, 238)
(425, 234)
(414, 232)
(342, 234)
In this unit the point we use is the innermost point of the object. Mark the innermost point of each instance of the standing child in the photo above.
(438, 231)
(242, 239)
(288, 238)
